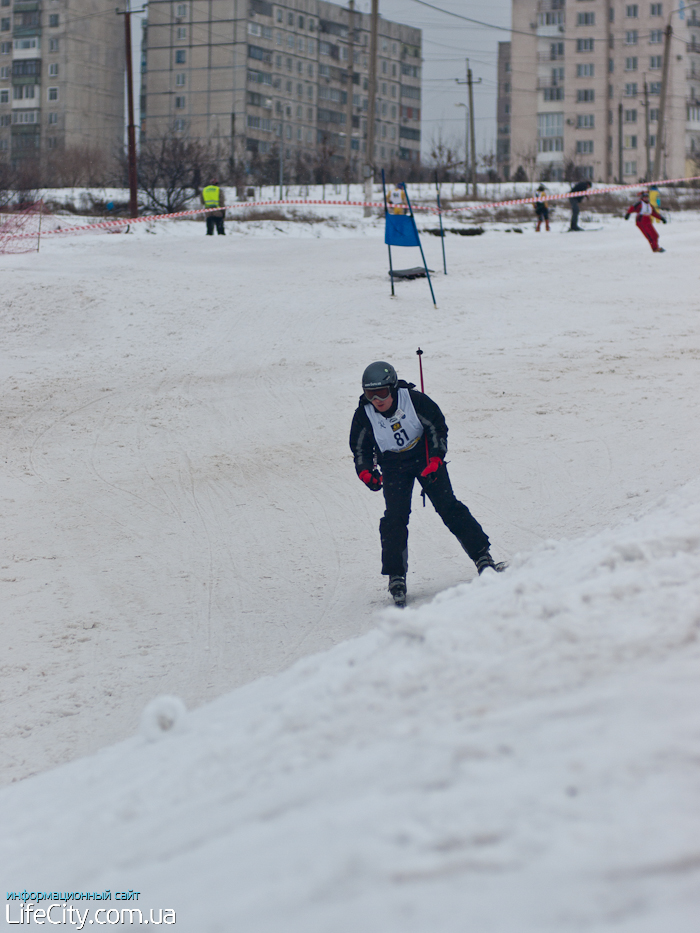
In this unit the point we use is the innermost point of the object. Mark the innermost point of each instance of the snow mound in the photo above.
(162, 715)
(521, 754)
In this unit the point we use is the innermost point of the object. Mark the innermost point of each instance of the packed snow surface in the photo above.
(181, 516)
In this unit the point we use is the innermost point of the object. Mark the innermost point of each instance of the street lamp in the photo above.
(466, 148)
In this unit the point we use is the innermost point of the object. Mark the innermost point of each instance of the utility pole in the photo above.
(621, 177)
(466, 147)
(282, 156)
(351, 68)
(660, 134)
(646, 129)
(470, 85)
(371, 104)
(131, 128)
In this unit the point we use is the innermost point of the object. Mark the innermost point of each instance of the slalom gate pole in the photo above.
(419, 353)
(420, 246)
(442, 232)
(38, 238)
(386, 211)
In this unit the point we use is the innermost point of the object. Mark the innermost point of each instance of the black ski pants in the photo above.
(215, 220)
(393, 528)
(575, 210)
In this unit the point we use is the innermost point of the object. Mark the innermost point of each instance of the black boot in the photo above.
(397, 588)
(484, 561)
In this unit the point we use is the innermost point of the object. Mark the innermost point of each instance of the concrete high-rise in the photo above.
(61, 78)
(246, 76)
(586, 89)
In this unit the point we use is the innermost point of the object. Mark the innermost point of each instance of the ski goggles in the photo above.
(381, 394)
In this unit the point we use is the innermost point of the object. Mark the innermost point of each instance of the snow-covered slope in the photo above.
(523, 753)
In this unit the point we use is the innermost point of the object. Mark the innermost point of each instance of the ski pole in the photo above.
(419, 353)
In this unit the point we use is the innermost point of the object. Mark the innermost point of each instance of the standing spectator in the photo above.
(645, 212)
(213, 196)
(576, 203)
(541, 209)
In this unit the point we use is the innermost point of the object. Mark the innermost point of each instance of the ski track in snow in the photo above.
(180, 510)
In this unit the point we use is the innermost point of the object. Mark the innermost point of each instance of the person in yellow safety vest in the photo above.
(213, 196)
(397, 200)
(655, 201)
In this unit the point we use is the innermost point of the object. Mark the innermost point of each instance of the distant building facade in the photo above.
(586, 99)
(503, 106)
(246, 76)
(61, 78)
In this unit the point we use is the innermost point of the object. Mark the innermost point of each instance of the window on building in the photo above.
(631, 64)
(656, 61)
(630, 116)
(584, 146)
(280, 16)
(585, 96)
(4, 97)
(656, 9)
(656, 36)
(180, 57)
(53, 45)
(652, 140)
(585, 121)
(585, 19)
(179, 125)
(585, 71)
(53, 71)
(5, 72)
(180, 103)
(182, 32)
(584, 45)
(611, 14)
(5, 24)
(653, 114)
(53, 93)
(180, 79)
(630, 142)
(630, 90)
(181, 10)
(553, 93)
(53, 20)
(631, 37)
(5, 48)
(655, 87)
(53, 118)
(290, 19)
(632, 11)
(630, 168)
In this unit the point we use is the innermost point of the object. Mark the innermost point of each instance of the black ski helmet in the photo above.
(379, 375)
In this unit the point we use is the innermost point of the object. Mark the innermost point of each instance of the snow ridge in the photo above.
(477, 763)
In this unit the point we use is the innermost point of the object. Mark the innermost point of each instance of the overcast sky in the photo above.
(447, 42)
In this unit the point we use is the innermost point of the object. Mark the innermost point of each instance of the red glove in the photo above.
(371, 480)
(430, 472)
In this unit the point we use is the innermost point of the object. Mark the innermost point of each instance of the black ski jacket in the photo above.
(365, 450)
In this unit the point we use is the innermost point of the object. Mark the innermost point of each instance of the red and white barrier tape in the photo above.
(474, 206)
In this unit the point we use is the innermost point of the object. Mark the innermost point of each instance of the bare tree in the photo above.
(172, 169)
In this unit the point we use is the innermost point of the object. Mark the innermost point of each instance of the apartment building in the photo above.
(586, 88)
(503, 106)
(61, 77)
(251, 76)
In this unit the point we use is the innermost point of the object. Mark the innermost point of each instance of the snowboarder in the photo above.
(403, 431)
(576, 203)
(645, 212)
(541, 209)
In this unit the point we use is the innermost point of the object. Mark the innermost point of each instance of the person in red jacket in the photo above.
(645, 211)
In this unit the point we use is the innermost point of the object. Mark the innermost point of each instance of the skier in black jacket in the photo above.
(403, 431)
